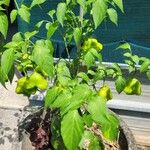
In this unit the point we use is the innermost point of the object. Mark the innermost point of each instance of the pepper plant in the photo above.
(80, 119)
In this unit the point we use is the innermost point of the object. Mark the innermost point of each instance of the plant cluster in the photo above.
(81, 119)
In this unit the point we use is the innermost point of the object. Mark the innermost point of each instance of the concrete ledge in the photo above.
(129, 105)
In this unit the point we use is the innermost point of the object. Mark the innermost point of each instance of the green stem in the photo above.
(81, 16)
(66, 47)
(16, 4)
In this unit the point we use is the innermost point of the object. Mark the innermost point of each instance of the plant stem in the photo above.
(81, 16)
(16, 4)
(66, 47)
(77, 61)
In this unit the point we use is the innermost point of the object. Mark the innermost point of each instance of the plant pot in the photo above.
(126, 139)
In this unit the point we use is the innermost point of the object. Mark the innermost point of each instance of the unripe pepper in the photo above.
(133, 87)
(92, 43)
(37, 80)
(105, 92)
(20, 85)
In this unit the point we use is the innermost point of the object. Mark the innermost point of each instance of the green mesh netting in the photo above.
(133, 27)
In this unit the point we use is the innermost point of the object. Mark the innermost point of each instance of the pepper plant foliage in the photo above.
(70, 84)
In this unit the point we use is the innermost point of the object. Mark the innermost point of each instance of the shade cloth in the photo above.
(133, 27)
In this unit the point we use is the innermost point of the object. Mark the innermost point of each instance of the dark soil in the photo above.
(38, 128)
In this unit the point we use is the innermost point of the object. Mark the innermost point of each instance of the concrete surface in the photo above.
(9, 99)
(8, 127)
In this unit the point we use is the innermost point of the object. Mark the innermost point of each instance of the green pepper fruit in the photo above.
(37, 80)
(20, 85)
(30, 91)
(105, 92)
(92, 43)
(29, 84)
(24, 87)
(133, 87)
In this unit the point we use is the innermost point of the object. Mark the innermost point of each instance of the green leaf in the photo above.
(120, 84)
(68, 1)
(5, 2)
(148, 74)
(37, 2)
(7, 61)
(125, 46)
(1, 8)
(51, 28)
(131, 68)
(95, 144)
(91, 72)
(129, 62)
(72, 128)
(60, 13)
(87, 119)
(50, 97)
(29, 35)
(84, 76)
(62, 100)
(39, 24)
(108, 122)
(83, 4)
(144, 59)
(81, 93)
(3, 77)
(11, 73)
(51, 13)
(96, 54)
(129, 55)
(100, 75)
(3, 24)
(113, 16)
(42, 56)
(117, 68)
(145, 66)
(99, 9)
(24, 13)
(17, 37)
(77, 36)
(119, 3)
(110, 72)
(56, 139)
(13, 15)
(63, 73)
(97, 109)
(135, 59)
(89, 59)
(111, 129)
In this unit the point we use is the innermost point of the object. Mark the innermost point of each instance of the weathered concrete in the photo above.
(8, 127)
(11, 105)
(9, 99)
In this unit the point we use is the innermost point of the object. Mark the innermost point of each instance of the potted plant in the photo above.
(74, 114)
